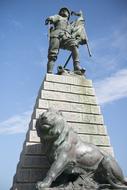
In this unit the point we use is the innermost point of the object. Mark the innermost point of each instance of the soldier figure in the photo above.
(61, 37)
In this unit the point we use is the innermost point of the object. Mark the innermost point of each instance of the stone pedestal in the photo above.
(75, 97)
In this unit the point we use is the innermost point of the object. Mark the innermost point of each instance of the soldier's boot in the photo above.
(75, 57)
(50, 66)
(78, 69)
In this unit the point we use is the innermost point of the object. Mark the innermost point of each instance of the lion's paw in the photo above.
(43, 184)
(40, 185)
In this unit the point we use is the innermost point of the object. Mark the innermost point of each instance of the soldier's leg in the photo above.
(52, 53)
(75, 57)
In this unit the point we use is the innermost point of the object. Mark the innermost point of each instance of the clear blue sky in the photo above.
(23, 59)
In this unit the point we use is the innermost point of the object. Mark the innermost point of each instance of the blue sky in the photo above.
(23, 59)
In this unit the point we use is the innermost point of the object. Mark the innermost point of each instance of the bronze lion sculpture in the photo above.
(70, 154)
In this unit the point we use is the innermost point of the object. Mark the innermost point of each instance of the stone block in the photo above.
(33, 137)
(95, 139)
(69, 106)
(31, 186)
(98, 140)
(83, 118)
(24, 186)
(79, 80)
(81, 128)
(30, 175)
(34, 161)
(68, 88)
(38, 149)
(76, 117)
(34, 148)
(107, 149)
(32, 123)
(68, 97)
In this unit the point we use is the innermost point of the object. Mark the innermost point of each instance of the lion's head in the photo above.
(50, 124)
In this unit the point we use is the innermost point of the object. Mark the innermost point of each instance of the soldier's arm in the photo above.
(52, 19)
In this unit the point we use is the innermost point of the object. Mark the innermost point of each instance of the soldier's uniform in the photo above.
(60, 37)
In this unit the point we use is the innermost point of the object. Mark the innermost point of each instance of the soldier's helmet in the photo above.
(64, 8)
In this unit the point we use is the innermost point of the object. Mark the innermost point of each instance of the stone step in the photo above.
(34, 161)
(80, 127)
(68, 88)
(32, 186)
(80, 80)
(107, 150)
(99, 140)
(75, 117)
(68, 97)
(68, 106)
(39, 149)
(34, 148)
(95, 139)
(24, 186)
(30, 175)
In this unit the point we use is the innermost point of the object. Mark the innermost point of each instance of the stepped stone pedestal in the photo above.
(75, 97)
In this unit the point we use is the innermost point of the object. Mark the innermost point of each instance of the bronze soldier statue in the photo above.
(64, 36)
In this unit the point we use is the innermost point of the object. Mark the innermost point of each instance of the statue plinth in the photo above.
(75, 97)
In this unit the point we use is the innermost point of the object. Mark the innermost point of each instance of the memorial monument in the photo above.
(67, 146)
